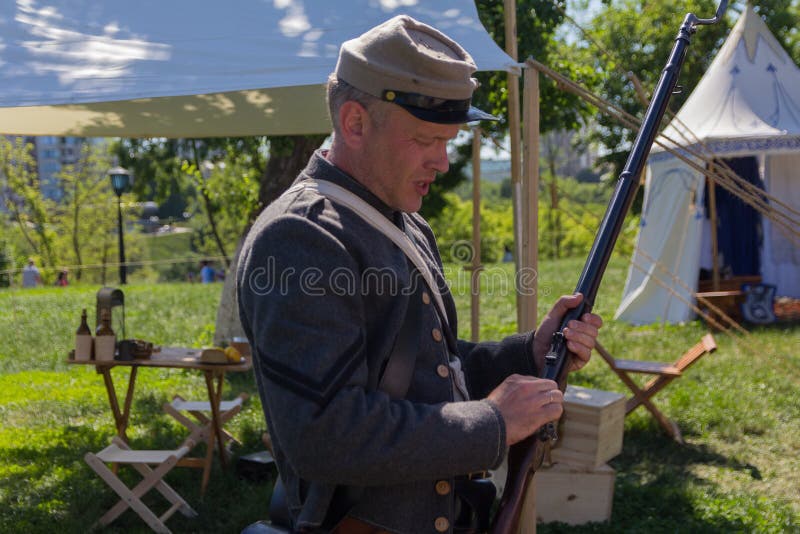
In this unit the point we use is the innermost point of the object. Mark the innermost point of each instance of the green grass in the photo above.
(738, 408)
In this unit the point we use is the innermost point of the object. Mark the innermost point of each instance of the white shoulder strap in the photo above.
(381, 223)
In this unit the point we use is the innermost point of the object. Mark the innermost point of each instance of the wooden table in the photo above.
(175, 358)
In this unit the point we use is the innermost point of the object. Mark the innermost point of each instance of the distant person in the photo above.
(30, 275)
(508, 256)
(61, 281)
(207, 273)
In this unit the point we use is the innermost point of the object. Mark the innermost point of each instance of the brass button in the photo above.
(443, 487)
(437, 334)
(441, 524)
(426, 297)
(443, 371)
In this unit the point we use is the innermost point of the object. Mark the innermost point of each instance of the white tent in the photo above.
(192, 68)
(746, 105)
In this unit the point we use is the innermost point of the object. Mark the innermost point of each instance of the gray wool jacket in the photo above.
(322, 297)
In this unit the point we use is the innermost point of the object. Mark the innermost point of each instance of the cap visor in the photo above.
(473, 114)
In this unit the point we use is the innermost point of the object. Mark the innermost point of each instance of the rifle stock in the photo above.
(527, 456)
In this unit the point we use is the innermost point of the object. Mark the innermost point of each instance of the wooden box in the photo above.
(573, 495)
(590, 433)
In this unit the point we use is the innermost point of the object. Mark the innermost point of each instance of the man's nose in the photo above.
(440, 162)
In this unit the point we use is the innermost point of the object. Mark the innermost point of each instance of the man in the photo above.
(326, 300)
(30, 275)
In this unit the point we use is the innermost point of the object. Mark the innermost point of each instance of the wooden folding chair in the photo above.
(163, 460)
(664, 374)
(201, 429)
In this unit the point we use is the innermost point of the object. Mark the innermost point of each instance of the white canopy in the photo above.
(747, 104)
(192, 68)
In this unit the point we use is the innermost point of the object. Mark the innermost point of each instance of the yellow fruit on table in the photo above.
(233, 355)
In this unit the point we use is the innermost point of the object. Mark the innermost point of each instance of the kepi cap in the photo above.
(415, 66)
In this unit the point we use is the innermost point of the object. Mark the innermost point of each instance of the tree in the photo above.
(246, 174)
(537, 22)
(78, 229)
(84, 215)
(782, 18)
(169, 166)
(23, 199)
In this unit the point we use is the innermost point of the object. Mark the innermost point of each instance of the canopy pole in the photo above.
(712, 203)
(510, 13)
(530, 179)
(527, 524)
(475, 268)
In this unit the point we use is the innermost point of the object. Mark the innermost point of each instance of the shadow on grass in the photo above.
(48, 487)
(657, 490)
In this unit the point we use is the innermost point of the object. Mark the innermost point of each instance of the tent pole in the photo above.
(475, 281)
(510, 13)
(527, 524)
(529, 278)
(712, 203)
(530, 180)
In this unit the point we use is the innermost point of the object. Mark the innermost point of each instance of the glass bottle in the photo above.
(105, 341)
(83, 340)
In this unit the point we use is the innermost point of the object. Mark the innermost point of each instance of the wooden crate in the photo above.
(573, 495)
(590, 433)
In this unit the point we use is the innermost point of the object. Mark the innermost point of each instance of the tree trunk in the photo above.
(553, 218)
(76, 246)
(212, 221)
(288, 156)
(210, 210)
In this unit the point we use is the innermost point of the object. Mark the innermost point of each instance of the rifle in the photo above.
(526, 456)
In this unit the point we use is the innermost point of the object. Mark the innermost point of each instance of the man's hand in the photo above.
(580, 335)
(526, 403)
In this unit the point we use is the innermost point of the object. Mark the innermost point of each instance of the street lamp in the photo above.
(121, 180)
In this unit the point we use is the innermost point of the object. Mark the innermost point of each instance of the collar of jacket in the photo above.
(322, 169)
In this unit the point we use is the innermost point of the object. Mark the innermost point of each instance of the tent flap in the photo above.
(663, 272)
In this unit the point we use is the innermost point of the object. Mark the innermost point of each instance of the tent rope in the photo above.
(790, 227)
(666, 270)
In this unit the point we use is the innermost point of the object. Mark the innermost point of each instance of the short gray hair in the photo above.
(339, 92)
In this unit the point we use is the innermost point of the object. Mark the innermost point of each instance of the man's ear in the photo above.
(353, 119)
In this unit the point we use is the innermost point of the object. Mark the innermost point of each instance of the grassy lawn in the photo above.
(738, 409)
